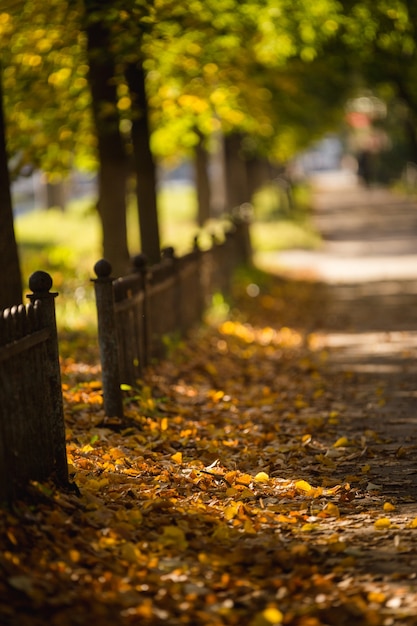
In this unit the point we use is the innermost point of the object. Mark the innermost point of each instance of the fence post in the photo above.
(40, 283)
(107, 337)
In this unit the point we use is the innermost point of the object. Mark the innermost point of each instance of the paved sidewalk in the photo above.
(369, 234)
(362, 312)
(363, 309)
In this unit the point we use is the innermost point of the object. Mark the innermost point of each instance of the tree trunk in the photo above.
(201, 162)
(11, 280)
(236, 180)
(411, 134)
(112, 157)
(56, 195)
(259, 172)
(145, 169)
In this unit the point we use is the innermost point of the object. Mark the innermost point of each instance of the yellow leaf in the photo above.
(74, 555)
(230, 476)
(383, 522)
(365, 469)
(332, 510)
(325, 460)
(244, 479)
(284, 519)
(231, 492)
(246, 493)
(177, 457)
(337, 547)
(308, 528)
(232, 510)
(342, 442)
(134, 516)
(164, 423)
(303, 485)
(272, 615)
(413, 523)
(261, 477)
(221, 533)
(173, 536)
(249, 527)
(388, 506)
(129, 552)
(95, 484)
(211, 369)
(377, 596)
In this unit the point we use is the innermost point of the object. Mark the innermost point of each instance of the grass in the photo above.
(67, 243)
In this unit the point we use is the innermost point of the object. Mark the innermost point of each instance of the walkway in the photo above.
(369, 234)
(364, 317)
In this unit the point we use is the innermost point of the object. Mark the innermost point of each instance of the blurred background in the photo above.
(128, 126)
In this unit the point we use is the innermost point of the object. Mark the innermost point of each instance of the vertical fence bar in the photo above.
(40, 283)
(140, 266)
(108, 344)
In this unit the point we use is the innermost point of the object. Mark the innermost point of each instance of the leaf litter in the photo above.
(252, 482)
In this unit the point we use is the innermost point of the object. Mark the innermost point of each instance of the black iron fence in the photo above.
(137, 312)
(32, 431)
(134, 315)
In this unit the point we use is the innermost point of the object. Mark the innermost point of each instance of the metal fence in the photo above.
(137, 312)
(32, 431)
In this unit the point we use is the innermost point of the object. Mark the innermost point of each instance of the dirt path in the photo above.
(363, 290)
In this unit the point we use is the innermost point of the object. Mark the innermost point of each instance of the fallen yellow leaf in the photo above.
(175, 536)
(377, 596)
(232, 510)
(273, 615)
(332, 510)
(342, 442)
(261, 477)
(383, 522)
(303, 485)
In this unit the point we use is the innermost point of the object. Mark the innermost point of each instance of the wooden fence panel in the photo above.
(129, 305)
(32, 430)
(135, 313)
(163, 306)
(190, 290)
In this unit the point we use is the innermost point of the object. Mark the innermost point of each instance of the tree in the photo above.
(11, 281)
(112, 156)
(202, 181)
(144, 163)
(227, 72)
(161, 78)
(64, 73)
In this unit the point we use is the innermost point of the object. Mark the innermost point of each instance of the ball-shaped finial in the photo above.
(139, 262)
(102, 268)
(168, 252)
(40, 282)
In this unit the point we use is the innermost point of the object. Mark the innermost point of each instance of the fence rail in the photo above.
(32, 431)
(136, 312)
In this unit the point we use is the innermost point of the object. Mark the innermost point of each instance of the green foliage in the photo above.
(45, 84)
(281, 224)
(211, 66)
(67, 243)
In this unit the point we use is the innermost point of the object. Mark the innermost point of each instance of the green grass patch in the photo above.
(68, 243)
